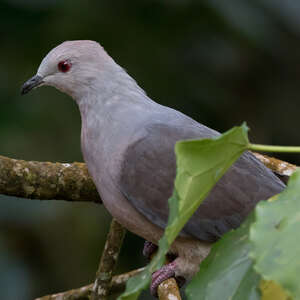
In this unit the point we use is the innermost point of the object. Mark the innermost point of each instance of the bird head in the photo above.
(73, 67)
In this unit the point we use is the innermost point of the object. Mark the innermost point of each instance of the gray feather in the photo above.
(149, 169)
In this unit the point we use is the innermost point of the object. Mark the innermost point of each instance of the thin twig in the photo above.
(84, 293)
(108, 261)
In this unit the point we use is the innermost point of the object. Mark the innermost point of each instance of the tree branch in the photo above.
(71, 182)
(108, 261)
(46, 181)
(168, 289)
(278, 166)
(84, 293)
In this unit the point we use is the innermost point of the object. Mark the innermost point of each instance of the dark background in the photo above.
(221, 62)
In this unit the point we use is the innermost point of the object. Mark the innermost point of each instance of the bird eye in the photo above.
(64, 66)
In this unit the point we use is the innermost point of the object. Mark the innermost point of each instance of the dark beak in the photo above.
(32, 83)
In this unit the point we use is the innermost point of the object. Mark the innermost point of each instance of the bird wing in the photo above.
(149, 168)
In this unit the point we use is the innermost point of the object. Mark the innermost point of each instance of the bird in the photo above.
(128, 140)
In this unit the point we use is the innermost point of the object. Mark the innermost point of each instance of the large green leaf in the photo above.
(227, 273)
(200, 164)
(275, 238)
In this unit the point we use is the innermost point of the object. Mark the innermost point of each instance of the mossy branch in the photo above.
(110, 254)
(168, 289)
(46, 181)
(278, 166)
(72, 182)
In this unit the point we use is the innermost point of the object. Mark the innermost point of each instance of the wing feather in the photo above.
(149, 169)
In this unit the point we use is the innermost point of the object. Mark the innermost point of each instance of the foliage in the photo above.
(274, 238)
(258, 260)
(227, 273)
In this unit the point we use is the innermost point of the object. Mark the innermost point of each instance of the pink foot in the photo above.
(164, 273)
(149, 249)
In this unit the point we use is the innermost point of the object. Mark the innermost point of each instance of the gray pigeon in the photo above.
(128, 144)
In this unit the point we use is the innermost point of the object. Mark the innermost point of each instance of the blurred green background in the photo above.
(221, 62)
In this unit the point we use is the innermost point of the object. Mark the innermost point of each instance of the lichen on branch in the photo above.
(71, 181)
(46, 180)
(110, 254)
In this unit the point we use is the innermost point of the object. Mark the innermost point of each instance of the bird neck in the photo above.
(107, 113)
(109, 92)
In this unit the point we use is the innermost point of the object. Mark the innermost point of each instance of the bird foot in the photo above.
(164, 273)
(149, 249)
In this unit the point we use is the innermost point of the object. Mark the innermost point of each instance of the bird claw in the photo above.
(149, 249)
(164, 273)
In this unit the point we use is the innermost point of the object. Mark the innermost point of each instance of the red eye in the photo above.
(64, 66)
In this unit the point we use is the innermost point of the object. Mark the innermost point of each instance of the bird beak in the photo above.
(32, 83)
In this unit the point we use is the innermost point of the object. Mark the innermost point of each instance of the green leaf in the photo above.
(227, 273)
(275, 240)
(200, 164)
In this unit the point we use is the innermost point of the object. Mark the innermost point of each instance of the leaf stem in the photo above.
(267, 148)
